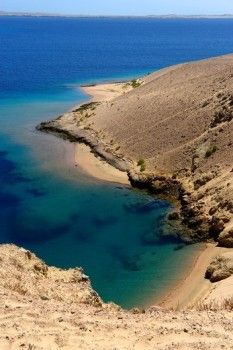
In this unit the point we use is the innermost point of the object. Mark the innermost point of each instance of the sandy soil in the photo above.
(96, 167)
(106, 92)
(193, 287)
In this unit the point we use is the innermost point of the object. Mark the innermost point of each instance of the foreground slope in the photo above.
(44, 308)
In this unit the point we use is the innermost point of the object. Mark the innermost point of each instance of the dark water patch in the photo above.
(83, 236)
(8, 200)
(75, 217)
(24, 233)
(180, 246)
(149, 237)
(6, 165)
(3, 153)
(162, 234)
(104, 221)
(129, 262)
(36, 192)
(8, 171)
(146, 208)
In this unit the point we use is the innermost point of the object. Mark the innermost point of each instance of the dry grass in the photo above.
(226, 304)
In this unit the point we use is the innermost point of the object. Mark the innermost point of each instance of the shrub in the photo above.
(143, 167)
(142, 164)
(135, 83)
(91, 105)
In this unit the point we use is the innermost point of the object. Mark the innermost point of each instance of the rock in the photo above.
(173, 215)
(216, 227)
(221, 267)
(201, 181)
(225, 239)
(213, 210)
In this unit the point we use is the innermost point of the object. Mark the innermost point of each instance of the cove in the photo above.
(48, 205)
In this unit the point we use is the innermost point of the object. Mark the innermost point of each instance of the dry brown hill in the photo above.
(179, 122)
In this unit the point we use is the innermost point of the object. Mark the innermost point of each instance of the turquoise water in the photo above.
(46, 203)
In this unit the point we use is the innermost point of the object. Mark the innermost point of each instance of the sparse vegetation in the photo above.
(226, 304)
(135, 83)
(142, 164)
(211, 150)
(91, 105)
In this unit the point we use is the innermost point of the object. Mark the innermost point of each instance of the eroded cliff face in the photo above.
(179, 123)
(44, 308)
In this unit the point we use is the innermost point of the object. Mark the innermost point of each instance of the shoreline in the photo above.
(188, 289)
(192, 287)
(96, 168)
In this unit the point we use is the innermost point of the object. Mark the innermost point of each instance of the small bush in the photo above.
(142, 164)
(143, 167)
(135, 83)
(91, 105)
(211, 150)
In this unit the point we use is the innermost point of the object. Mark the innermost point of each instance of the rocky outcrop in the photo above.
(21, 272)
(221, 267)
(225, 238)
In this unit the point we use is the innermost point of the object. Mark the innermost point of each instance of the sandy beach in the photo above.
(97, 168)
(83, 157)
(192, 287)
(106, 91)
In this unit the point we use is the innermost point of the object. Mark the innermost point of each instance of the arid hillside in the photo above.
(173, 132)
(176, 118)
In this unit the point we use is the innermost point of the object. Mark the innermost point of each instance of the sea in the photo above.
(49, 205)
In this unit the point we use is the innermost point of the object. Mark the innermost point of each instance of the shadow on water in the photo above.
(142, 208)
(101, 222)
(129, 262)
(36, 192)
(24, 233)
(8, 173)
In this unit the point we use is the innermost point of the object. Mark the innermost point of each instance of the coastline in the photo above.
(191, 284)
(192, 287)
(97, 168)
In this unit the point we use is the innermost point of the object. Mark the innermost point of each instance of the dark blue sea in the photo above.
(46, 203)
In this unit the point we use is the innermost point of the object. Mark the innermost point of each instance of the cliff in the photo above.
(44, 308)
